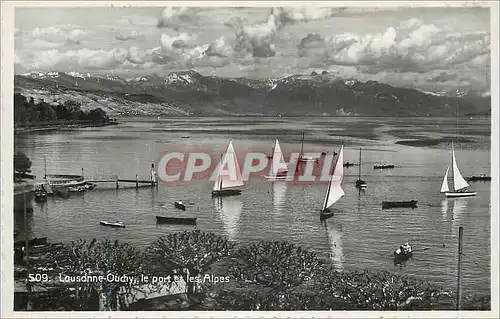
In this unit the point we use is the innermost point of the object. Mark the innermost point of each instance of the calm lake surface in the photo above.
(360, 236)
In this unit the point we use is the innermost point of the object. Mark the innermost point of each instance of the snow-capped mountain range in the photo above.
(190, 93)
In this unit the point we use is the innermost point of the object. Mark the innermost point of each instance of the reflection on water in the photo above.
(334, 235)
(229, 209)
(279, 194)
(458, 210)
(444, 209)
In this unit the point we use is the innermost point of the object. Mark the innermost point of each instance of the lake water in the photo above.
(359, 236)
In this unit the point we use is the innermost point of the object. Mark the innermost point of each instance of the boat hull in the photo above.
(180, 206)
(361, 184)
(176, 220)
(458, 194)
(226, 192)
(104, 223)
(280, 178)
(383, 166)
(411, 204)
(32, 242)
(479, 178)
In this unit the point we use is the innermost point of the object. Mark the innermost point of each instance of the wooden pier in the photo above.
(112, 179)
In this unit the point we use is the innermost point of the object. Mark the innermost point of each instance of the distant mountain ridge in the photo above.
(190, 93)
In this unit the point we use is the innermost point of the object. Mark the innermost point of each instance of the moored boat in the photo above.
(176, 220)
(279, 169)
(348, 164)
(178, 204)
(224, 185)
(334, 191)
(32, 242)
(360, 183)
(388, 204)
(404, 252)
(40, 195)
(479, 178)
(112, 224)
(383, 166)
(459, 183)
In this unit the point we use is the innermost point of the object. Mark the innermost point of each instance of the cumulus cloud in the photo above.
(169, 43)
(421, 48)
(173, 17)
(443, 77)
(126, 36)
(84, 58)
(57, 35)
(257, 39)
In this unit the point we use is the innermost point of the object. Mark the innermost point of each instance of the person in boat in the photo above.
(406, 248)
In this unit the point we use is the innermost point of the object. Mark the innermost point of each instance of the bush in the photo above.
(22, 163)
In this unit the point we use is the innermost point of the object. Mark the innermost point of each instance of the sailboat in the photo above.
(303, 158)
(224, 185)
(360, 183)
(279, 169)
(334, 191)
(459, 183)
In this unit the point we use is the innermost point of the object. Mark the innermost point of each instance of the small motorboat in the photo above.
(411, 204)
(112, 224)
(90, 186)
(185, 136)
(361, 184)
(226, 192)
(40, 196)
(404, 252)
(178, 204)
(383, 166)
(481, 177)
(176, 220)
(77, 189)
(347, 164)
(32, 242)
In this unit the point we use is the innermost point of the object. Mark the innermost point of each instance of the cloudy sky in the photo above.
(422, 47)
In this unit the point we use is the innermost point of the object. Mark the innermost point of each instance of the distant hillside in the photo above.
(190, 93)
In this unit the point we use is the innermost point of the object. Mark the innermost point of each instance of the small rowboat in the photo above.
(479, 178)
(112, 224)
(178, 204)
(383, 166)
(403, 254)
(226, 192)
(176, 220)
(411, 204)
(347, 164)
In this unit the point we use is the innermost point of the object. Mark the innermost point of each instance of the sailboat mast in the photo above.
(359, 169)
(453, 167)
(302, 145)
(45, 165)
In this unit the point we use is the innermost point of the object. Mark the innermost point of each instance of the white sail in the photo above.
(458, 180)
(444, 186)
(335, 191)
(225, 178)
(278, 164)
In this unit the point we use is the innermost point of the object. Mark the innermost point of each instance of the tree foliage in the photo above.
(22, 163)
(191, 251)
(30, 112)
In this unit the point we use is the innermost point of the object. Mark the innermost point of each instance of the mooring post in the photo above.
(459, 276)
(117, 182)
(136, 181)
(153, 174)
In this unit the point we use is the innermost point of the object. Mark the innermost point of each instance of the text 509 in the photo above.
(38, 277)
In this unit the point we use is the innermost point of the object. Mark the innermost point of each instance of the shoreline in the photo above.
(60, 127)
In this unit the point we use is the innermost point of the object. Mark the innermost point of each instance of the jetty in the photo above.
(67, 180)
